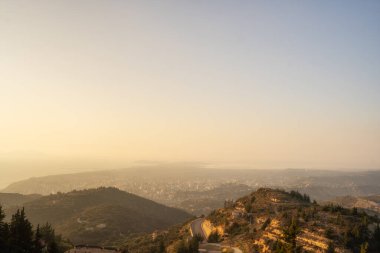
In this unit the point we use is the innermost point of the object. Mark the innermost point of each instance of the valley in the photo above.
(237, 215)
(199, 191)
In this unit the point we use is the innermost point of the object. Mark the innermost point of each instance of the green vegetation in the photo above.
(177, 238)
(233, 229)
(15, 199)
(290, 235)
(101, 216)
(297, 219)
(330, 248)
(187, 246)
(265, 224)
(297, 195)
(18, 236)
(214, 237)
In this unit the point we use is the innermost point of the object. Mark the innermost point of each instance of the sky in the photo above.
(262, 84)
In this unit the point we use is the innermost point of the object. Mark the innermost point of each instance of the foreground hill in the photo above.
(277, 221)
(101, 215)
(269, 221)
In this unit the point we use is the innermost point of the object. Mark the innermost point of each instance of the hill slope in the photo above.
(370, 204)
(276, 221)
(101, 215)
(270, 221)
(15, 199)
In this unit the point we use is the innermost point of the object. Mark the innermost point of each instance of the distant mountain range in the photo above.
(98, 216)
(200, 190)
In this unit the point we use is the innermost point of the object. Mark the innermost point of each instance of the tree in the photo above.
(265, 224)
(330, 248)
(290, 235)
(50, 239)
(214, 237)
(248, 207)
(374, 244)
(329, 233)
(194, 245)
(161, 246)
(37, 241)
(181, 247)
(18, 236)
(53, 247)
(21, 234)
(4, 232)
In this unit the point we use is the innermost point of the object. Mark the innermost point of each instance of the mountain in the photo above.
(270, 220)
(370, 204)
(100, 216)
(15, 199)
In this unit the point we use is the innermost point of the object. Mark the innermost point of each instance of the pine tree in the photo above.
(330, 248)
(290, 235)
(161, 246)
(181, 247)
(21, 234)
(49, 237)
(194, 245)
(4, 232)
(37, 241)
(374, 245)
(53, 247)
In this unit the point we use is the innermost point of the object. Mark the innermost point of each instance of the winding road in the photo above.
(196, 228)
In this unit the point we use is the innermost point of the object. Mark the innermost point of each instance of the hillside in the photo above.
(203, 202)
(101, 215)
(199, 190)
(369, 204)
(15, 199)
(277, 221)
(269, 221)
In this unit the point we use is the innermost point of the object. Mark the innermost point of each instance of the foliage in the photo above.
(4, 231)
(214, 237)
(120, 212)
(290, 235)
(18, 236)
(265, 224)
(191, 246)
(329, 233)
(330, 248)
(248, 207)
(20, 233)
(299, 196)
(233, 229)
(374, 245)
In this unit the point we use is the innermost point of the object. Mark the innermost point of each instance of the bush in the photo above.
(214, 237)
(265, 224)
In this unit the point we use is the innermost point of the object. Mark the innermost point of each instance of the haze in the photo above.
(100, 84)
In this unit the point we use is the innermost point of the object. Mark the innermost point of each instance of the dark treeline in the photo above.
(302, 197)
(18, 236)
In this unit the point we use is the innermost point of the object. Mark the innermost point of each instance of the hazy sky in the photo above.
(269, 84)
